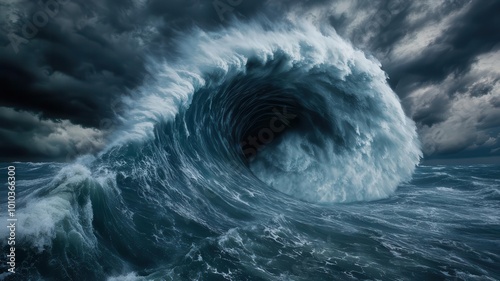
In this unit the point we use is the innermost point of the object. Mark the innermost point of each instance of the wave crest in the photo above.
(348, 140)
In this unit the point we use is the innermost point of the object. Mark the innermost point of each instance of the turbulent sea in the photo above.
(258, 154)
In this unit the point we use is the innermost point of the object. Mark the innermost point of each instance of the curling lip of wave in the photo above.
(374, 146)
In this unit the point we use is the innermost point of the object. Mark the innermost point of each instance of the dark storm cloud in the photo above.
(26, 136)
(391, 21)
(471, 34)
(447, 66)
(66, 71)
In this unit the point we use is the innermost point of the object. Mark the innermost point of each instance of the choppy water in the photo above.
(443, 225)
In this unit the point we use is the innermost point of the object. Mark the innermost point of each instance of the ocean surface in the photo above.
(257, 153)
(443, 225)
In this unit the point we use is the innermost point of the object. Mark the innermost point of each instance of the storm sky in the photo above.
(65, 65)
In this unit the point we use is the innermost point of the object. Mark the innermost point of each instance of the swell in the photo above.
(246, 124)
(300, 109)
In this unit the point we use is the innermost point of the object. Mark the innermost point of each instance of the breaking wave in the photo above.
(299, 108)
(222, 158)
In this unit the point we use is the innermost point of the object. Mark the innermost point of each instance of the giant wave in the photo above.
(350, 139)
(235, 139)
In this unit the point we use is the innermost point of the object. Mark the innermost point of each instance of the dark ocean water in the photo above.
(443, 225)
(257, 154)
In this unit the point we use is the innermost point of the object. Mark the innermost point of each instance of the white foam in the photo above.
(40, 221)
(132, 276)
(383, 148)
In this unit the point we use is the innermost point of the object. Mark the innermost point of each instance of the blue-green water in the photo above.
(79, 223)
